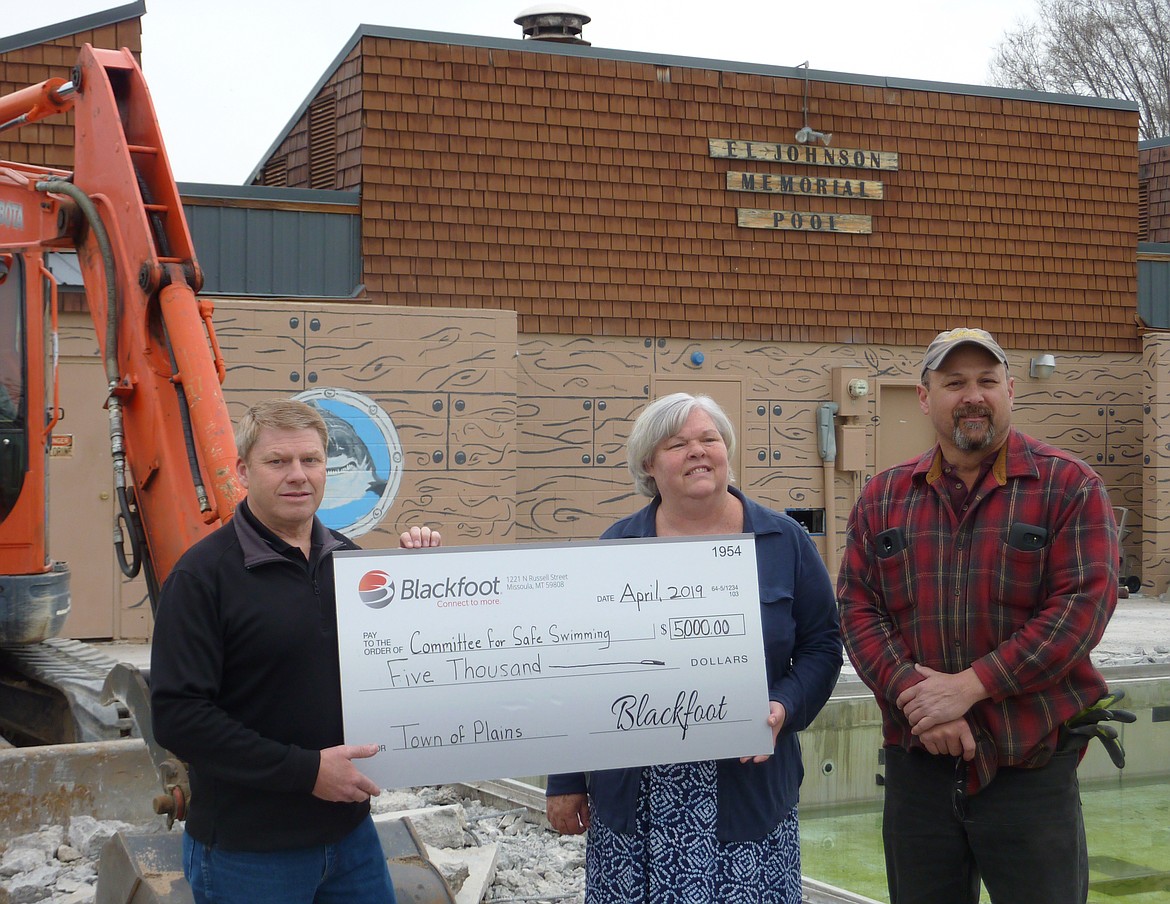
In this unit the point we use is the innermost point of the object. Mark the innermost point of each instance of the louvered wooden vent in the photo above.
(1144, 210)
(323, 142)
(276, 172)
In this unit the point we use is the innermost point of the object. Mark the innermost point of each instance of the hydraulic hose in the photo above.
(128, 513)
(164, 245)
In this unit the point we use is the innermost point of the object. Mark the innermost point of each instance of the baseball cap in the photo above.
(948, 340)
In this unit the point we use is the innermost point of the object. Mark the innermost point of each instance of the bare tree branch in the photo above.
(1100, 48)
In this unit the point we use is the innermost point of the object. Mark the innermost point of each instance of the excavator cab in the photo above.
(13, 398)
(34, 596)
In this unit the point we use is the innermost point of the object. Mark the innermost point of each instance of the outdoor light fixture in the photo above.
(1042, 367)
(807, 133)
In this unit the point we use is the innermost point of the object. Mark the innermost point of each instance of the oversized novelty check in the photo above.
(509, 661)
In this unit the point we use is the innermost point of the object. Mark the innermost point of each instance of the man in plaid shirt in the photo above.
(975, 581)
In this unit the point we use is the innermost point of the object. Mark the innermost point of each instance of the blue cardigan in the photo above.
(803, 652)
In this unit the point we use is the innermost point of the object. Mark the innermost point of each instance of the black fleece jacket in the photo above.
(245, 686)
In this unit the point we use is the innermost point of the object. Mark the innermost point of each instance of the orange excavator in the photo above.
(170, 434)
(171, 437)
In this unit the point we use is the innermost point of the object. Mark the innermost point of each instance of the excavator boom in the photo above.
(170, 433)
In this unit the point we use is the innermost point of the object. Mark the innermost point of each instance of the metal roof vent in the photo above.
(557, 22)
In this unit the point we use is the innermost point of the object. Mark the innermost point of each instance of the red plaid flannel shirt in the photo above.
(960, 595)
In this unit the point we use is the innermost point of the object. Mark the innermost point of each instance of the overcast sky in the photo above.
(227, 75)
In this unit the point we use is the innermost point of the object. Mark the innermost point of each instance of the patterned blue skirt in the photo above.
(675, 858)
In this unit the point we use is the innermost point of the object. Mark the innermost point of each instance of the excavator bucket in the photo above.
(142, 869)
(148, 869)
(416, 880)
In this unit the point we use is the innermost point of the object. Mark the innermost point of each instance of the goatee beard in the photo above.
(965, 441)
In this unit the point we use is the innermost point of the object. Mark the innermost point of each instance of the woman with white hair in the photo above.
(723, 832)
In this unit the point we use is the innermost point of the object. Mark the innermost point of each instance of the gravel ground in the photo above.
(1139, 632)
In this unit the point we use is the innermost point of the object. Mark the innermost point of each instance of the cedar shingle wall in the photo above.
(1155, 173)
(346, 85)
(50, 142)
(579, 193)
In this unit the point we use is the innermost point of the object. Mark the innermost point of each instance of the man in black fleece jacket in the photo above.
(245, 687)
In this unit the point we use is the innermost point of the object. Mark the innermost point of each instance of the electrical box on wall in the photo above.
(850, 447)
(850, 390)
(811, 519)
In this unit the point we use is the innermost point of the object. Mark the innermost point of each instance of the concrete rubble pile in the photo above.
(485, 853)
(58, 863)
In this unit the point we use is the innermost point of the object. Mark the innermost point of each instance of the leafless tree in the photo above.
(1102, 48)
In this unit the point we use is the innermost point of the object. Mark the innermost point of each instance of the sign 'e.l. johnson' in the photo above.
(807, 154)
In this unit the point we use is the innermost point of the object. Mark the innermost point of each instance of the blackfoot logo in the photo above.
(376, 589)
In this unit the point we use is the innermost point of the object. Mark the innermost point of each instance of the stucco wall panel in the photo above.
(445, 379)
(1100, 420)
(512, 437)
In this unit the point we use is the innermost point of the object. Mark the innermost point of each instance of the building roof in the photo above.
(263, 242)
(1153, 284)
(113, 16)
(658, 59)
(259, 241)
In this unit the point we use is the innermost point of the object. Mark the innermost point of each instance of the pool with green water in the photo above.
(1127, 824)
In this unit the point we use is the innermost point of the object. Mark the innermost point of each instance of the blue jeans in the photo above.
(352, 871)
(1023, 835)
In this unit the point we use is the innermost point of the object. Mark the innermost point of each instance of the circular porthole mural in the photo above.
(364, 460)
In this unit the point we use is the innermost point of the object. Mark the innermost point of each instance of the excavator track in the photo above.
(51, 693)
